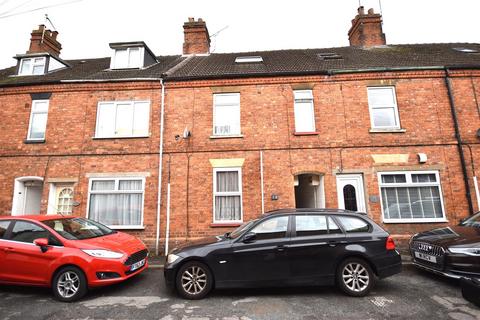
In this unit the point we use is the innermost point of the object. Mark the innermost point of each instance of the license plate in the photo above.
(426, 257)
(137, 265)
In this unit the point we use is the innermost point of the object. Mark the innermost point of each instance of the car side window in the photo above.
(354, 224)
(24, 231)
(3, 228)
(272, 228)
(333, 228)
(310, 225)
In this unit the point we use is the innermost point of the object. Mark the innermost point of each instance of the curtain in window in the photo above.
(227, 181)
(116, 209)
(412, 202)
(228, 208)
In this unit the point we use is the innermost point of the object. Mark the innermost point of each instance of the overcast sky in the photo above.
(87, 26)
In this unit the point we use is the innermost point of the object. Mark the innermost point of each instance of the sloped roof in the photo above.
(275, 63)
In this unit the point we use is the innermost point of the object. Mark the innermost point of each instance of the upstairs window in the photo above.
(304, 113)
(32, 66)
(38, 120)
(119, 119)
(382, 103)
(226, 114)
(127, 58)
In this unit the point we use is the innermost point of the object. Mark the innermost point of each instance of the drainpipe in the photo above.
(459, 139)
(261, 181)
(167, 231)
(160, 161)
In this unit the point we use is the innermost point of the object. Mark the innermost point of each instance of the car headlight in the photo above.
(467, 251)
(103, 254)
(172, 258)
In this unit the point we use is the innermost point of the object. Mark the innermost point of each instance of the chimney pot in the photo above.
(370, 11)
(191, 19)
(361, 10)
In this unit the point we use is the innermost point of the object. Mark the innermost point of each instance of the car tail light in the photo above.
(390, 245)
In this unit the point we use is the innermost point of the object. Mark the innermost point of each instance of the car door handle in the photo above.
(333, 243)
(281, 248)
(8, 249)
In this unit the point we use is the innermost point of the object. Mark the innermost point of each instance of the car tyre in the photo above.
(69, 284)
(194, 280)
(355, 277)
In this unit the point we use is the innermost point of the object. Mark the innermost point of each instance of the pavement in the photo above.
(412, 294)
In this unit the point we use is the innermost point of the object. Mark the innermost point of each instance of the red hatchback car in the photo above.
(68, 254)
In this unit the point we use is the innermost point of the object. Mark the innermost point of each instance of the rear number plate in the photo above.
(137, 265)
(426, 257)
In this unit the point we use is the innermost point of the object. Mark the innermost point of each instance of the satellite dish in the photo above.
(186, 133)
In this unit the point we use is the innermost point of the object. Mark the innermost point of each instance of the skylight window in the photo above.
(466, 50)
(249, 59)
(329, 56)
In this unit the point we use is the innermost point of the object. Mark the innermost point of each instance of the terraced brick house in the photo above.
(391, 130)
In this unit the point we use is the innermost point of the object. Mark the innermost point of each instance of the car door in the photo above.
(316, 243)
(4, 224)
(24, 261)
(263, 259)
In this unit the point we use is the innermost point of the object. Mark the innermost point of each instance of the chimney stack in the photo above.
(366, 30)
(196, 37)
(44, 40)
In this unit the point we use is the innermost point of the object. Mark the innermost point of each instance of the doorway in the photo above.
(309, 192)
(351, 195)
(27, 196)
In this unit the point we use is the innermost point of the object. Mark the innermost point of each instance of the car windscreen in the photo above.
(78, 228)
(237, 232)
(473, 221)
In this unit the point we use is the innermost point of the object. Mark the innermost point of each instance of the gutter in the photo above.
(458, 138)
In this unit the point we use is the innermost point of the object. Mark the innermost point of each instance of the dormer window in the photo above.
(32, 66)
(131, 55)
(127, 58)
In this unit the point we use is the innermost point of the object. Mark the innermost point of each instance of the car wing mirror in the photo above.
(42, 243)
(249, 237)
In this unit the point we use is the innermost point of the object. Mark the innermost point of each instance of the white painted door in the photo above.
(351, 195)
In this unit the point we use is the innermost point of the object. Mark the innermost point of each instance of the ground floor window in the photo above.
(411, 196)
(227, 186)
(117, 202)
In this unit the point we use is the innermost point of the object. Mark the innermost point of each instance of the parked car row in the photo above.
(298, 247)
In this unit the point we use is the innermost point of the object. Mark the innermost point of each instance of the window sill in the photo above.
(225, 225)
(393, 221)
(387, 130)
(232, 136)
(127, 227)
(26, 141)
(129, 137)
(313, 133)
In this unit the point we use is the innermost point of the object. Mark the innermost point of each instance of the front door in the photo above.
(265, 258)
(351, 195)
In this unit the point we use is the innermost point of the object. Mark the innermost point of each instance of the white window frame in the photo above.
(371, 108)
(116, 191)
(230, 193)
(30, 70)
(116, 103)
(113, 63)
(32, 112)
(312, 106)
(409, 183)
(231, 105)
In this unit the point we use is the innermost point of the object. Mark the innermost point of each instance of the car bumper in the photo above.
(169, 272)
(124, 272)
(389, 264)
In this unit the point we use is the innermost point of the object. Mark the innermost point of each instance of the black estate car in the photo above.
(452, 251)
(287, 247)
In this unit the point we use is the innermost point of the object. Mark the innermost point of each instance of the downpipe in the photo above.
(160, 162)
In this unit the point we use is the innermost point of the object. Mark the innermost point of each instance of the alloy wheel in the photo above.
(355, 277)
(68, 284)
(194, 280)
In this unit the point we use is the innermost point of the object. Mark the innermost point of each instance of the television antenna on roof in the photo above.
(47, 19)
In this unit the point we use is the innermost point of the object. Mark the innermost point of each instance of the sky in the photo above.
(86, 27)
